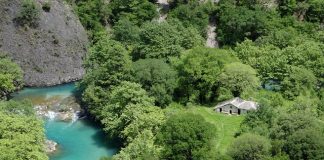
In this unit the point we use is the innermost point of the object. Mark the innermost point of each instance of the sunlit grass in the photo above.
(227, 125)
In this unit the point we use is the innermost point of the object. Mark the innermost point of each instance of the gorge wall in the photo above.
(49, 54)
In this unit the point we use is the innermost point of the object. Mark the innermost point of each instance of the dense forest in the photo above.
(152, 83)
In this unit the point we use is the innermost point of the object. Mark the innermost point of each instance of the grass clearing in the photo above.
(227, 125)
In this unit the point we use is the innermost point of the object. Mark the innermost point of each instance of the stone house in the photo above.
(236, 106)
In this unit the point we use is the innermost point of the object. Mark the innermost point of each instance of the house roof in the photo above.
(239, 103)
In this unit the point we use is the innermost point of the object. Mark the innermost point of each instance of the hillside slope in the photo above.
(50, 53)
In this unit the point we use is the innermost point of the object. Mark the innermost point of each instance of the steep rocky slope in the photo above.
(50, 53)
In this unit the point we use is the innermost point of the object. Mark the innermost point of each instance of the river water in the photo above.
(79, 140)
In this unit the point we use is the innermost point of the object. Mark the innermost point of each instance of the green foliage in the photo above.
(126, 32)
(311, 10)
(299, 81)
(259, 121)
(17, 108)
(141, 148)
(137, 11)
(315, 12)
(156, 77)
(305, 144)
(21, 133)
(186, 136)
(238, 22)
(281, 38)
(288, 7)
(95, 97)
(93, 14)
(159, 40)
(139, 117)
(29, 14)
(285, 53)
(284, 65)
(238, 77)
(224, 94)
(199, 70)
(250, 146)
(227, 126)
(286, 125)
(129, 111)
(165, 40)
(303, 127)
(107, 64)
(11, 77)
(193, 14)
(310, 55)
(175, 3)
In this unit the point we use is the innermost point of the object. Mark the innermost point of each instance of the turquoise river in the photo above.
(79, 140)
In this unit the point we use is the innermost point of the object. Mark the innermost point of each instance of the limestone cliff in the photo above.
(51, 53)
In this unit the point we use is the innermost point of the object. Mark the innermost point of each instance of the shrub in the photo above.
(250, 146)
(29, 14)
(46, 6)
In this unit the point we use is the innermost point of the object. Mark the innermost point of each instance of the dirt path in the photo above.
(211, 34)
(163, 9)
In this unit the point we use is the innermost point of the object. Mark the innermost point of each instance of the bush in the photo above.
(250, 146)
(157, 77)
(187, 136)
(46, 6)
(11, 77)
(29, 14)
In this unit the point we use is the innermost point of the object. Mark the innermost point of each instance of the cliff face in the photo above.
(49, 54)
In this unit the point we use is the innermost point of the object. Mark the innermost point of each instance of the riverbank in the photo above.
(81, 140)
(76, 138)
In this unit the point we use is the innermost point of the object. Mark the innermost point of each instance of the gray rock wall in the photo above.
(49, 54)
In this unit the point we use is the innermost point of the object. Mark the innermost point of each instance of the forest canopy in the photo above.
(152, 83)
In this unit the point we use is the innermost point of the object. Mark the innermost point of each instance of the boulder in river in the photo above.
(66, 109)
(50, 146)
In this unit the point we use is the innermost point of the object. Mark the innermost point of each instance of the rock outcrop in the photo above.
(50, 146)
(49, 54)
(67, 109)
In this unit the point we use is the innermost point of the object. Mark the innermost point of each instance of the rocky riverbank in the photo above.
(55, 108)
(50, 146)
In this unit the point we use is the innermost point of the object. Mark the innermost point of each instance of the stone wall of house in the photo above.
(229, 107)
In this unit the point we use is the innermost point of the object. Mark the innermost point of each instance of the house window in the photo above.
(231, 107)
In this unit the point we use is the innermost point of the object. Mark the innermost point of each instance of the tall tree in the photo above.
(143, 147)
(238, 77)
(137, 11)
(199, 70)
(11, 76)
(129, 111)
(165, 40)
(107, 64)
(305, 144)
(186, 136)
(156, 77)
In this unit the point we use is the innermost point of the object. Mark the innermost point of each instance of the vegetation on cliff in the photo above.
(11, 76)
